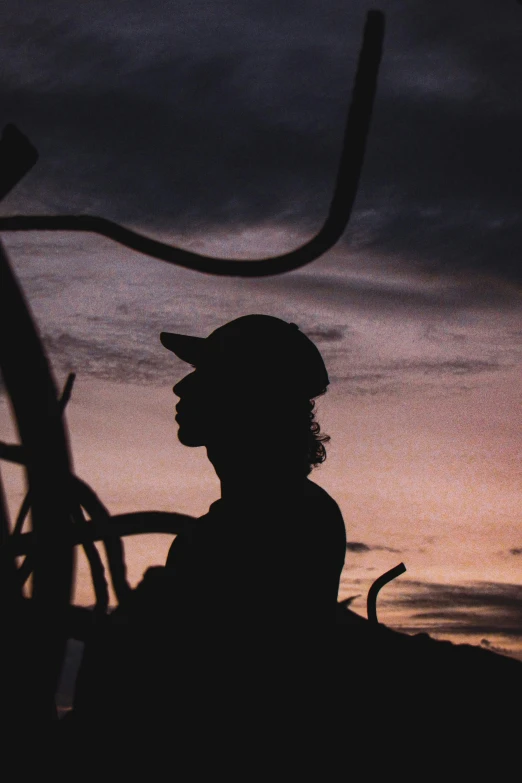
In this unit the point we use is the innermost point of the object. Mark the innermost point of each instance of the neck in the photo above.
(244, 474)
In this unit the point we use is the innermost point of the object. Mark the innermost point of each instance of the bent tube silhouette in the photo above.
(17, 157)
(388, 576)
(352, 156)
(30, 385)
(121, 525)
(84, 499)
(26, 503)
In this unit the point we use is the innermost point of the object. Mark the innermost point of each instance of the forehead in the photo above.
(228, 379)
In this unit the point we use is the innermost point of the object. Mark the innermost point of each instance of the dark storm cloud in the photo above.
(447, 366)
(386, 296)
(477, 609)
(325, 335)
(359, 547)
(117, 361)
(191, 115)
(121, 360)
(176, 125)
(99, 322)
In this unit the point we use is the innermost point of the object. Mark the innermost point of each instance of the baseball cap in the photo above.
(262, 346)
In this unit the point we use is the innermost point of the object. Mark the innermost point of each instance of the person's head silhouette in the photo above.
(250, 397)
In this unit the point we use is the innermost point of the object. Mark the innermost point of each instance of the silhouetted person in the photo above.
(271, 550)
(243, 611)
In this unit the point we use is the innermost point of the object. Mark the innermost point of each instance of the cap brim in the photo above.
(189, 349)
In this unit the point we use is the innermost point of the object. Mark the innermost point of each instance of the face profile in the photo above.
(249, 398)
(194, 409)
(216, 406)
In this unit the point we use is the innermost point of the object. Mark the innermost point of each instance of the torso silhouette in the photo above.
(251, 586)
(274, 560)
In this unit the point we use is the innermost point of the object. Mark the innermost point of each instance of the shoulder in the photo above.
(314, 491)
(323, 520)
(199, 528)
(315, 515)
(319, 500)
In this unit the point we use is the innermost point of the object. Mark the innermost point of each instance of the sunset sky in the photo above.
(217, 126)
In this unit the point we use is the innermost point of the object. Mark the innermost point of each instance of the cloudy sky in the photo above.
(217, 126)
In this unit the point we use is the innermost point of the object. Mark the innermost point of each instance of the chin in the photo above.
(188, 438)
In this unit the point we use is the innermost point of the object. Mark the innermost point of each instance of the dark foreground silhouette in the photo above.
(215, 644)
(365, 700)
(236, 653)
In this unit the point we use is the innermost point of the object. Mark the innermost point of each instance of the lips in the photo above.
(180, 413)
(184, 412)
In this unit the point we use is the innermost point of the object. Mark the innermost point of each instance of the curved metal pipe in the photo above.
(371, 602)
(121, 525)
(354, 145)
(30, 385)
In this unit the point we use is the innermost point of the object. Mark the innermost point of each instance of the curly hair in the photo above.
(316, 452)
(300, 435)
(281, 426)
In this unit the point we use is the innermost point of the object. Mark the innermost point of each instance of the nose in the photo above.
(182, 385)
